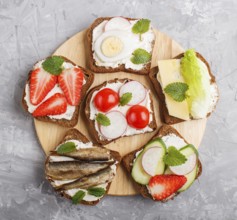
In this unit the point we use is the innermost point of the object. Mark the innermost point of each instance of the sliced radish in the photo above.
(137, 89)
(117, 23)
(150, 160)
(187, 167)
(117, 127)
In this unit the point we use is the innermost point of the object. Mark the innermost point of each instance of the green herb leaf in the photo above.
(96, 191)
(125, 99)
(53, 65)
(140, 56)
(77, 198)
(102, 119)
(177, 91)
(174, 157)
(141, 27)
(66, 148)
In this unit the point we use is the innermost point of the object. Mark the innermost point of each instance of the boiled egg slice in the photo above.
(113, 46)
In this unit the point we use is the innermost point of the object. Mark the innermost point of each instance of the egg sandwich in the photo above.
(120, 44)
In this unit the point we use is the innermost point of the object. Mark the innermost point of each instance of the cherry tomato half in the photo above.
(106, 99)
(138, 116)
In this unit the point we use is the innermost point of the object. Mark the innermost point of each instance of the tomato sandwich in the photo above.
(118, 108)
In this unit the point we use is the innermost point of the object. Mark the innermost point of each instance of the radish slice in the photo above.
(117, 127)
(187, 167)
(150, 160)
(137, 89)
(117, 23)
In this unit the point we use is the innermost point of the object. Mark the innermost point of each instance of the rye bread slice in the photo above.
(93, 130)
(89, 77)
(102, 69)
(127, 160)
(74, 134)
(164, 114)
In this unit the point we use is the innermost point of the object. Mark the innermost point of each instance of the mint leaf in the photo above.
(53, 65)
(66, 148)
(140, 56)
(96, 191)
(141, 27)
(177, 91)
(77, 198)
(174, 157)
(125, 99)
(102, 119)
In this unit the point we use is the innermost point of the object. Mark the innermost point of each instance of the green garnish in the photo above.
(177, 91)
(96, 191)
(141, 27)
(102, 119)
(191, 73)
(174, 157)
(125, 99)
(66, 148)
(53, 65)
(77, 198)
(140, 56)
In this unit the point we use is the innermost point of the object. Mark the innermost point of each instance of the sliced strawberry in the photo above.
(162, 187)
(55, 105)
(41, 83)
(71, 81)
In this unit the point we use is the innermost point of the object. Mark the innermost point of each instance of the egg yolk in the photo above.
(112, 46)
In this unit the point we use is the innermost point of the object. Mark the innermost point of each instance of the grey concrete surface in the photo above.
(30, 30)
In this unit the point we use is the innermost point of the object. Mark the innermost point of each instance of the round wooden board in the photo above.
(50, 135)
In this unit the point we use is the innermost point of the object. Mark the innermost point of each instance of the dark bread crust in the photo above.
(74, 134)
(127, 160)
(164, 114)
(102, 69)
(89, 77)
(94, 132)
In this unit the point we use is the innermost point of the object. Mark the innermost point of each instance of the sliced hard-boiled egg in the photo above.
(114, 45)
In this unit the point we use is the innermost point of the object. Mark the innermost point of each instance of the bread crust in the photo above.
(93, 130)
(89, 77)
(74, 134)
(127, 160)
(102, 69)
(164, 114)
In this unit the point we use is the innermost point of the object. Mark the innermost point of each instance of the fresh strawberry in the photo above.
(162, 187)
(55, 105)
(71, 81)
(41, 83)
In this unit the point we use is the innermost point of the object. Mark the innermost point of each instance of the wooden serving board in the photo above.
(50, 135)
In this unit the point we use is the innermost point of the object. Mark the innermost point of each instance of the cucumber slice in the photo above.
(187, 151)
(138, 173)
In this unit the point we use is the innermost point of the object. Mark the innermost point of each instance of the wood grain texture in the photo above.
(50, 135)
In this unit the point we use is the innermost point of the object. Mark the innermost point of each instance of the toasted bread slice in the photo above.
(89, 77)
(92, 126)
(74, 134)
(164, 114)
(128, 159)
(103, 69)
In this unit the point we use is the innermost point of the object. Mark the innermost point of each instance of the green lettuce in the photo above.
(191, 73)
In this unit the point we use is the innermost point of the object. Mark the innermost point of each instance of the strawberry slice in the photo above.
(55, 105)
(162, 187)
(41, 83)
(71, 81)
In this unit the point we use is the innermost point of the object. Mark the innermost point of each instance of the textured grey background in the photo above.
(31, 30)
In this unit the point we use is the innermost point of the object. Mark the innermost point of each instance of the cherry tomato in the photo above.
(106, 99)
(138, 116)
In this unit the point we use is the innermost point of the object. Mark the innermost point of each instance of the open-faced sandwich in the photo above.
(80, 170)
(185, 86)
(55, 89)
(118, 108)
(166, 166)
(120, 44)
